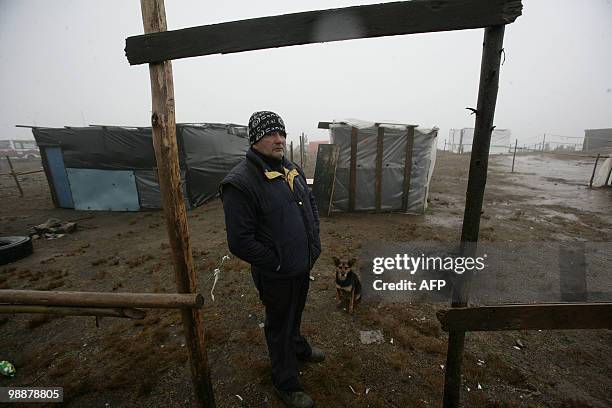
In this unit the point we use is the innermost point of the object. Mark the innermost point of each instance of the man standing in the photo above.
(272, 223)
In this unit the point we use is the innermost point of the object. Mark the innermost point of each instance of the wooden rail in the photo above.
(102, 299)
(376, 20)
(22, 173)
(74, 311)
(547, 316)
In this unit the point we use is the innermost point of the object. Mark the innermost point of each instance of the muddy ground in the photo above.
(131, 363)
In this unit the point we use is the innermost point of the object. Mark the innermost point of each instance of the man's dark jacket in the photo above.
(268, 225)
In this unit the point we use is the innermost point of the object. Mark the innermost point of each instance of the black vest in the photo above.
(285, 217)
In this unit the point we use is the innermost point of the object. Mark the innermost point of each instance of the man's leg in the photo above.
(302, 348)
(280, 298)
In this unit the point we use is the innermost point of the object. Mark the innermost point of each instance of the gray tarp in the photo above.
(102, 148)
(394, 151)
(211, 157)
(207, 152)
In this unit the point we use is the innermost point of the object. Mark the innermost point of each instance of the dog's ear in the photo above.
(336, 260)
(352, 262)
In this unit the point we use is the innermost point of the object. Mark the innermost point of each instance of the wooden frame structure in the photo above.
(408, 160)
(158, 47)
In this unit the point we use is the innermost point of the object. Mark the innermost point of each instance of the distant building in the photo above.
(460, 140)
(597, 140)
(313, 147)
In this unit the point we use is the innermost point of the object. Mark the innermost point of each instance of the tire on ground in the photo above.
(14, 248)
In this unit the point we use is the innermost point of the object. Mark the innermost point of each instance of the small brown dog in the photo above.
(347, 281)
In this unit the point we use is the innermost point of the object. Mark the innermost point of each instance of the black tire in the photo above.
(14, 248)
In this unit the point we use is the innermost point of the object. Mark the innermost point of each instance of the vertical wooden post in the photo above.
(353, 170)
(302, 150)
(166, 153)
(460, 151)
(407, 168)
(8, 159)
(543, 141)
(514, 154)
(594, 168)
(379, 156)
(291, 154)
(479, 159)
(607, 182)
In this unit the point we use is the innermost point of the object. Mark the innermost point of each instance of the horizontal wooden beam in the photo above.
(547, 316)
(74, 311)
(102, 299)
(377, 20)
(23, 173)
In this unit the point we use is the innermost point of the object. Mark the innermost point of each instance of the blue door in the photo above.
(55, 161)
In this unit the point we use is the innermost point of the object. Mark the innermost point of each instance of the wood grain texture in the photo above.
(163, 121)
(554, 316)
(128, 313)
(324, 177)
(378, 20)
(487, 96)
(101, 299)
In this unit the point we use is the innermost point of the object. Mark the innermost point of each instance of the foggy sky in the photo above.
(62, 63)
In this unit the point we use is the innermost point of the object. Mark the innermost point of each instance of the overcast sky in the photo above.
(62, 63)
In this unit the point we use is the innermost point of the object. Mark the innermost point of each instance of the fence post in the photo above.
(594, 168)
(8, 159)
(479, 160)
(514, 155)
(163, 123)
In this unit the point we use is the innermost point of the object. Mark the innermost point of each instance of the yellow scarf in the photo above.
(288, 176)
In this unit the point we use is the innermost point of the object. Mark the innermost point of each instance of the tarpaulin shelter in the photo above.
(113, 168)
(461, 140)
(393, 165)
(597, 140)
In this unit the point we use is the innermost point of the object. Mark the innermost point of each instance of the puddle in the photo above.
(561, 182)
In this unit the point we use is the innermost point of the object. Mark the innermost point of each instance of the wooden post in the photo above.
(543, 141)
(607, 182)
(479, 159)
(291, 152)
(460, 151)
(353, 170)
(325, 177)
(166, 153)
(379, 154)
(8, 159)
(407, 168)
(302, 150)
(594, 168)
(514, 154)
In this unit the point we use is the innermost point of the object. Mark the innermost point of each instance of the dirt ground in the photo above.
(132, 363)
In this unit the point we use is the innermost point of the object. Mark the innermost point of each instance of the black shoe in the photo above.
(316, 356)
(295, 399)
